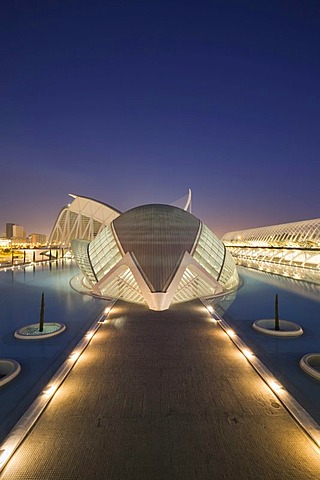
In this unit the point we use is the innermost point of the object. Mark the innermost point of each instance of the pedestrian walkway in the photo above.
(164, 395)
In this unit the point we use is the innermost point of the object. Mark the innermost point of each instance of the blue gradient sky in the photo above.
(134, 102)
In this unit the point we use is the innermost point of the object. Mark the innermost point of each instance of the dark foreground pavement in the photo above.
(164, 395)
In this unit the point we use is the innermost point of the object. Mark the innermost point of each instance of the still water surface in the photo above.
(20, 298)
(299, 302)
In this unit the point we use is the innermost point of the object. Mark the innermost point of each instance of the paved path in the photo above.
(164, 396)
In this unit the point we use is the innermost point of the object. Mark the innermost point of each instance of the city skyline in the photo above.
(134, 103)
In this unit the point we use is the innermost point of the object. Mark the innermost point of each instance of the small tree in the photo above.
(41, 313)
(276, 315)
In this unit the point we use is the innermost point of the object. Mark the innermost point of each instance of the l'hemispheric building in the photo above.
(154, 254)
(158, 254)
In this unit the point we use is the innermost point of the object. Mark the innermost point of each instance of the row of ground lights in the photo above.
(296, 410)
(26, 422)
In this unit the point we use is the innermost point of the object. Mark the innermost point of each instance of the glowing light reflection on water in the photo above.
(298, 302)
(20, 298)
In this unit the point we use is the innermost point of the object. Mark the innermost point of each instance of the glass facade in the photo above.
(80, 249)
(213, 257)
(152, 241)
(123, 286)
(290, 249)
(229, 276)
(104, 253)
(209, 252)
(192, 285)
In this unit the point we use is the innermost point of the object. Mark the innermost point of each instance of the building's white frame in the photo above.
(289, 249)
(83, 219)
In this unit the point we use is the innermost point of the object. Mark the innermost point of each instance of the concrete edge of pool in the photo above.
(32, 332)
(310, 364)
(9, 369)
(287, 329)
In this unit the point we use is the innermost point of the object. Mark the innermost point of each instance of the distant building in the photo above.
(16, 233)
(9, 230)
(19, 234)
(37, 239)
(289, 249)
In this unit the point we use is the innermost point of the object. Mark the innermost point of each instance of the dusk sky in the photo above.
(133, 102)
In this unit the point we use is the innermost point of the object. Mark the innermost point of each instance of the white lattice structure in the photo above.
(296, 234)
(83, 219)
(290, 249)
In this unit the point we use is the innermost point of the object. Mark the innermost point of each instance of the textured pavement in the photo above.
(164, 395)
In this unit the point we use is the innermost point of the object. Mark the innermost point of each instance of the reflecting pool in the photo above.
(20, 299)
(299, 302)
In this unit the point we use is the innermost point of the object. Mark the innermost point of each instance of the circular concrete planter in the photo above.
(31, 332)
(287, 329)
(9, 369)
(310, 363)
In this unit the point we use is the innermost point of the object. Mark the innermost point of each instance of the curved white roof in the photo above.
(294, 233)
(83, 219)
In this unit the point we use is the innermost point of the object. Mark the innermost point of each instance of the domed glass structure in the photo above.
(156, 254)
